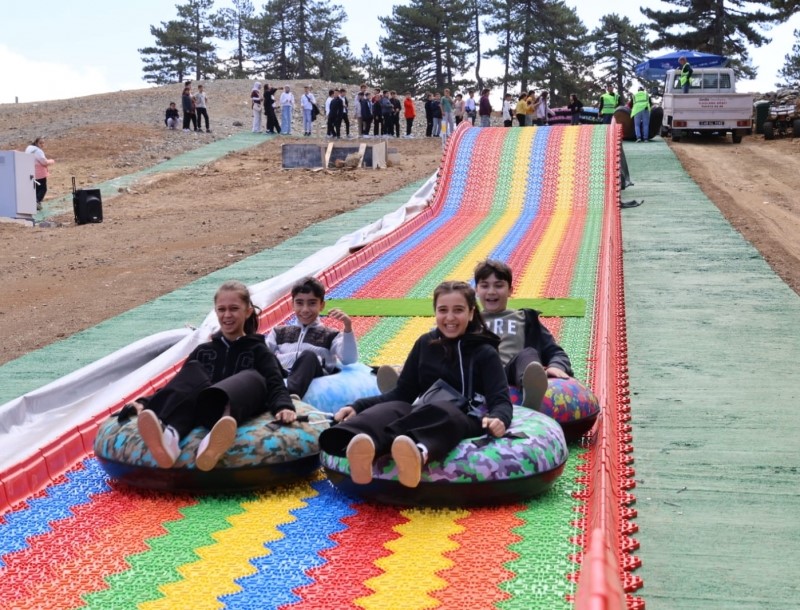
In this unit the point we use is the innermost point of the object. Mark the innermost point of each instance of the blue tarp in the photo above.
(656, 68)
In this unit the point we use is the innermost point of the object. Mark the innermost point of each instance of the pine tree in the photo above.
(618, 46)
(197, 20)
(427, 44)
(723, 27)
(168, 61)
(232, 24)
(500, 23)
(372, 66)
(790, 72)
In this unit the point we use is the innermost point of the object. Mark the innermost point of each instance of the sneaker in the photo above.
(216, 443)
(208, 131)
(534, 386)
(294, 397)
(409, 461)
(162, 442)
(360, 455)
(387, 378)
(186, 130)
(638, 139)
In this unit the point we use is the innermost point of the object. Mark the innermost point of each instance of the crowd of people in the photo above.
(478, 351)
(194, 107)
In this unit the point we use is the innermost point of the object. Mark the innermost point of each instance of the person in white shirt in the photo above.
(507, 109)
(307, 103)
(543, 112)
(287, 106)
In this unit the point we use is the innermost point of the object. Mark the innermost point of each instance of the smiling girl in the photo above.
(224, 382)
(415, 434)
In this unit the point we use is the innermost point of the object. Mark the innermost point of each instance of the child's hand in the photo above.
(344, 413)
(285, 416)
(494, 426)
(553, 371)
(338, 314)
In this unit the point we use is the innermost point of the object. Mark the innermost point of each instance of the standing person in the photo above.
(171, 117)
(447, 112)
(530, 111)
(409, 113)
(686, 73)
(366, 113)
(335, 113)
(507, 111)
(485, 109)
(521, 108)
(608, 104)
(396, 110)
(187, 105)
(575, 107)
(200, 105)
(255, 105)
(307, 103)
(428, 115)
(273, 125)
(640, 113)
(223, 383)
(458, 109)
(41, 169)
(345, 111)
(461, 352)
(309, 349)
(357, 113)
(528, 351)
(543, 111)
(436, 113)
(387, 114)
(377, 113)
(287, 106)
(470, 107)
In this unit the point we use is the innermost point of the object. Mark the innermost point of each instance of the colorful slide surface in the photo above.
(542, 199)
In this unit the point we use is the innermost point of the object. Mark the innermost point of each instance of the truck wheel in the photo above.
(796, 128)
(737, 137)
(769, 131)
(676, 135)
(665, 132)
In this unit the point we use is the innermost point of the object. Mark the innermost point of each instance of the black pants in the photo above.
(521, 120)
(378, 122)
(41, 189)
(508, 123)
(304, 370)
(388, 124)
(458, 120)
(365, 126)
(273, 126)
(190, 400)
(346, 120)
(409, 124)
(428, 126)
(515, 369)
(189, 117)
(202, 112)
(439, 427)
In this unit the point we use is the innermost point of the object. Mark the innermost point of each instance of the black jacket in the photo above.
(434, 357)
(222, 358)
(538, 337)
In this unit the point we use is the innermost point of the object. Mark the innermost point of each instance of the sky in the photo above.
(81, 47)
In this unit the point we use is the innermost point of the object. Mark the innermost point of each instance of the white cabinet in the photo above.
(17, 190)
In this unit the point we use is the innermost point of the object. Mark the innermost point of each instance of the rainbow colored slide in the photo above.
(545, 200)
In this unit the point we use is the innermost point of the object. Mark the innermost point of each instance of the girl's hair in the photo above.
(251, 324)
(38, 140)
(477, 323)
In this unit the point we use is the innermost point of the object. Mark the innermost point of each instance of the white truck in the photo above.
(711, 106)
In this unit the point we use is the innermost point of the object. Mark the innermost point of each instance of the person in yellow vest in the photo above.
(608, 104)
(686, 73)
(640, 113)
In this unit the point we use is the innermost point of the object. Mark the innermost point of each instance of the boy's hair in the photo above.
(307, 285)
(491, 266)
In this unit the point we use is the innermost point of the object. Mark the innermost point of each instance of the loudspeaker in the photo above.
(87, 205)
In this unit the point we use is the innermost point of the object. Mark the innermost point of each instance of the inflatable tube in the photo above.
(479, 471)
(332, 392)
(262, 456)
(570, 403)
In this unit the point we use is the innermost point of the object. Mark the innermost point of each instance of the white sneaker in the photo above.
(162, 442)
(534, 386)
(360, 455)
(408, 458)
(387, 378)
(216, 443)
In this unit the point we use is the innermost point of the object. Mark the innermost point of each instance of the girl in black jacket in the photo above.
(460, 344)
(222, 383)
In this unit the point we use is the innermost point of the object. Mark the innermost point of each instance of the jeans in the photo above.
(307, 123)
(286, 120)
(641, 124)
(486, 120)
(437, 127)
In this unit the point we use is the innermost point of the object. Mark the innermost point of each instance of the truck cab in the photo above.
(712, 106)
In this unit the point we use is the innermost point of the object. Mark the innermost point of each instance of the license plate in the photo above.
(712, 122)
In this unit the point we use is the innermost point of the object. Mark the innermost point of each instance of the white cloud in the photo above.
(31, 80)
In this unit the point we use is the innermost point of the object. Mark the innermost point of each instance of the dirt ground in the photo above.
(170, 229)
